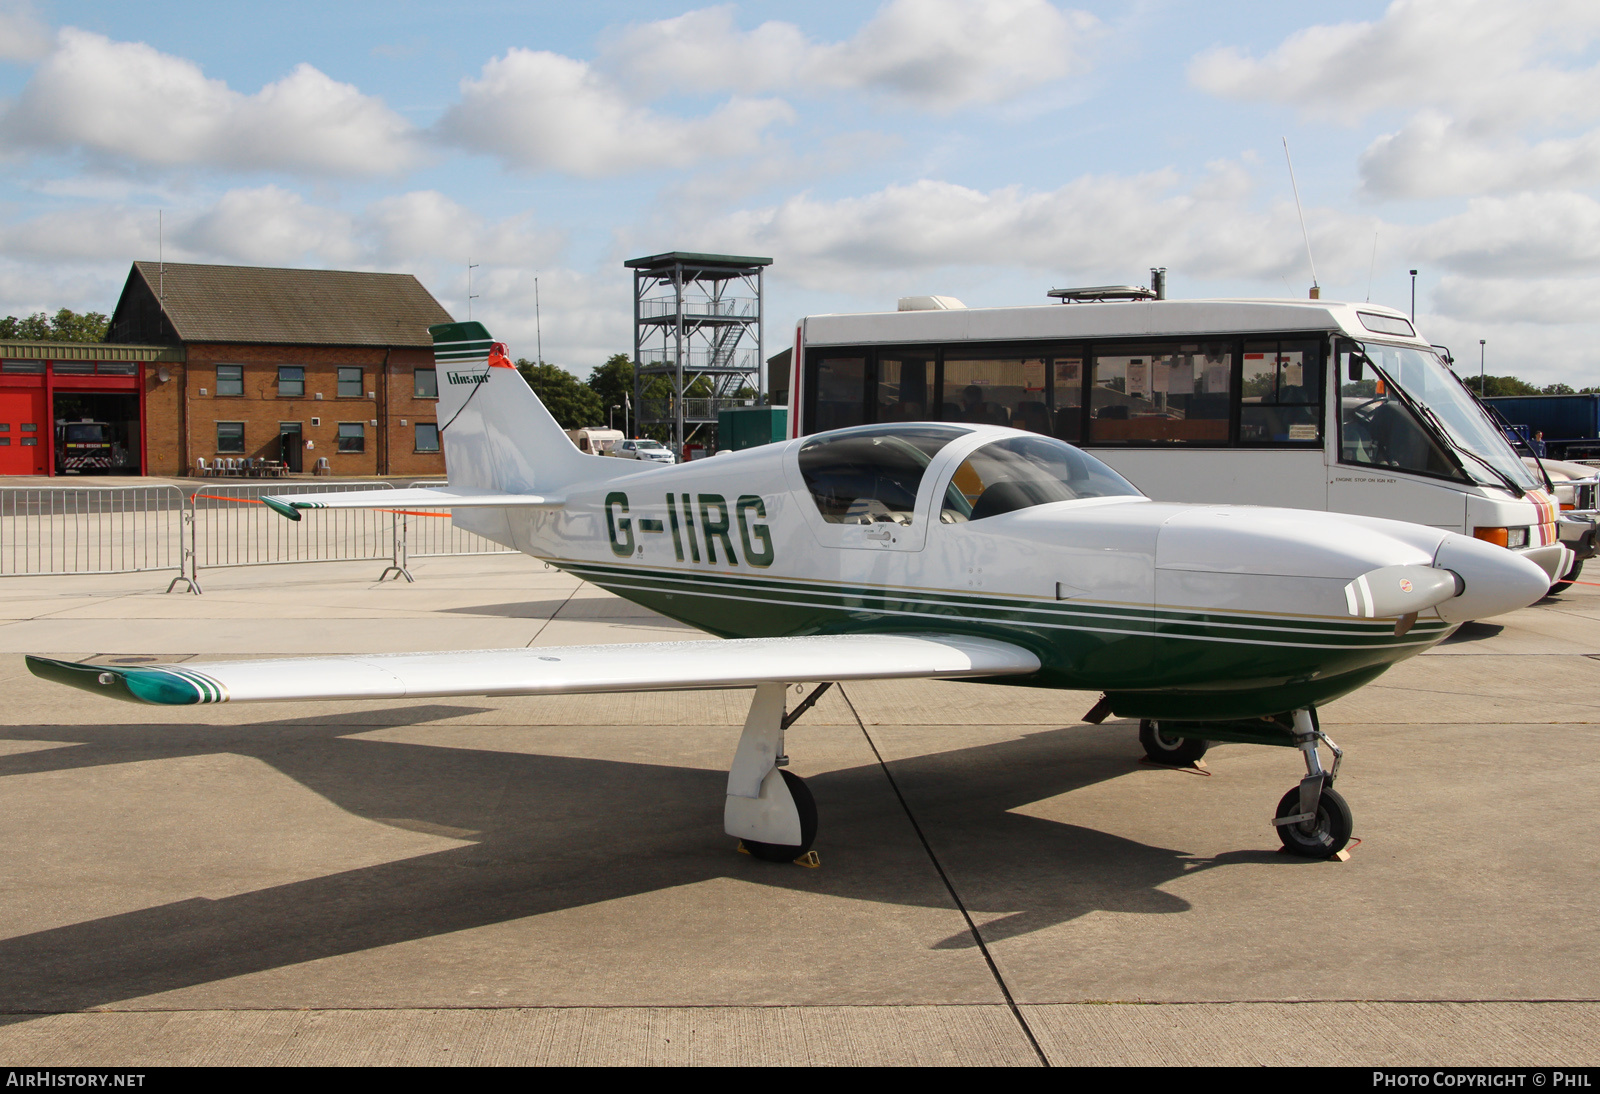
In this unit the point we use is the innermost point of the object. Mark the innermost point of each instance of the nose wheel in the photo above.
(1313, 819)
(1324, 835)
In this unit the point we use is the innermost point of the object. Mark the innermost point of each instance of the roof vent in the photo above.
(1096, 294)
(929, 303)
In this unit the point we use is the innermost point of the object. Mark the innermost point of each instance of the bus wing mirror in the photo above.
(1357, 361)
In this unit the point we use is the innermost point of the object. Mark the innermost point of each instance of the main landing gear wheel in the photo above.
(1323, 837)
(1566, 581)
(806, 806)
(1173, 751)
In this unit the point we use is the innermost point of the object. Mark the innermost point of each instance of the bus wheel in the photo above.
(1568, 578)
(1172, 751)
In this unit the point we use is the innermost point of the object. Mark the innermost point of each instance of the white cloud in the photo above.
(1095, 226)
(1432, 156)
(1529, 300)
(78, 258)
(22, 36)
(128, 101)
(1540, 353)
(274, 226)
(938, 54)
(269, 226)
(1494, 61)
(1536, 234)
(542, 111)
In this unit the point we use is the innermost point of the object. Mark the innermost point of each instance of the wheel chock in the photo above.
(809, 860)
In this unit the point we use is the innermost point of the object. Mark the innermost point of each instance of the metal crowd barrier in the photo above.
(92, 530)
(116, 530)
(431, 537)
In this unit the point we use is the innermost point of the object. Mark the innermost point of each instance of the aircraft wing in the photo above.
(553, 670)
(429, 497)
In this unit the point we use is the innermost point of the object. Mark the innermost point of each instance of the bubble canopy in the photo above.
(1020, 472)
(872, 474)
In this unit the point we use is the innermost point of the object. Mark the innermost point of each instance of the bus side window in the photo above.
(1280, 397)
(840, 393)
(1161, 393)
(903, 385)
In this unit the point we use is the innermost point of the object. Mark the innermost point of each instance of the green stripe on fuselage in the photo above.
(1094, 646)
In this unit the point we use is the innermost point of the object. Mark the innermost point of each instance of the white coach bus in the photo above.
(1311, 404)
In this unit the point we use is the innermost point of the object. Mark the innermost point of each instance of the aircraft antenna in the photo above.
(1316, 289)
(471, 296)
(538, 328)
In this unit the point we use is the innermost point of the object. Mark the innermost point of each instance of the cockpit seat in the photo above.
(1003, 497)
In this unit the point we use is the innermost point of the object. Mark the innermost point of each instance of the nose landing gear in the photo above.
(1313, 819)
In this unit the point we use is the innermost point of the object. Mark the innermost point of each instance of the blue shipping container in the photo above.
(1567, 421)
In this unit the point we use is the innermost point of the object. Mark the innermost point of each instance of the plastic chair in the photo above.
(201, 469)
(322, 467)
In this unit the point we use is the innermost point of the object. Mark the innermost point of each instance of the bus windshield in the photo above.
(1429, 383)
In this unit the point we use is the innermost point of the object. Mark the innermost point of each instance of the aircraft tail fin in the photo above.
(497, 435)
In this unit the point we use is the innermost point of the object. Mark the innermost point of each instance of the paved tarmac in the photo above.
(546, 880)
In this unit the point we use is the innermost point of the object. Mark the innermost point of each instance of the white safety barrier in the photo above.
(437, 536)
(113, 530)
(93, 530)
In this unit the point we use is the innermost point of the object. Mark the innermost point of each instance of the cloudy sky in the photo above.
(986, 150)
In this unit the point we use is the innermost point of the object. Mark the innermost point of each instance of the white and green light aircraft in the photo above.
(906, 550)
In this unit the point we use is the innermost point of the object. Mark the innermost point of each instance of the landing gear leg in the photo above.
(1313, 819)
(769, 809)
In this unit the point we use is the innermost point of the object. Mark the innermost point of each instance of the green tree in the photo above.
(612, 382)
(1500, 385)
(1557, 389)
(66, 326)
(572, 404)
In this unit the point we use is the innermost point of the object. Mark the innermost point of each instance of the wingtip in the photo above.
(282, 508)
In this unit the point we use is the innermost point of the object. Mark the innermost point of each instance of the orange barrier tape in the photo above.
(413, 513)
(219, 497)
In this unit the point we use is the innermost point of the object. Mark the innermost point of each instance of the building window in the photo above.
(427, 383)
(349, 383)
(22, 366)
(72, 368)
(291, 382)
(230, 379)
(427, 436)
(117, 368)
(352, 437)
(230, 436)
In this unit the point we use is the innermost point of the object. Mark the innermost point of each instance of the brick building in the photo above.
(295, 366)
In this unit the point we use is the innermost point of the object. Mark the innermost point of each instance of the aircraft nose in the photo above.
(1496, 580)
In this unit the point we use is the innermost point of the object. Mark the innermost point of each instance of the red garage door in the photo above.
(22, 432)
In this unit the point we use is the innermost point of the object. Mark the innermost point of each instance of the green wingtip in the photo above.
(281, 507)
(129, 685)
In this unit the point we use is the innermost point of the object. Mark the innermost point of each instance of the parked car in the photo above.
(643, 449)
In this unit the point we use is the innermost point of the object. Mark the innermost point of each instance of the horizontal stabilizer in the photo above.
(431, 497)
(1400, 590)
(555, 670)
